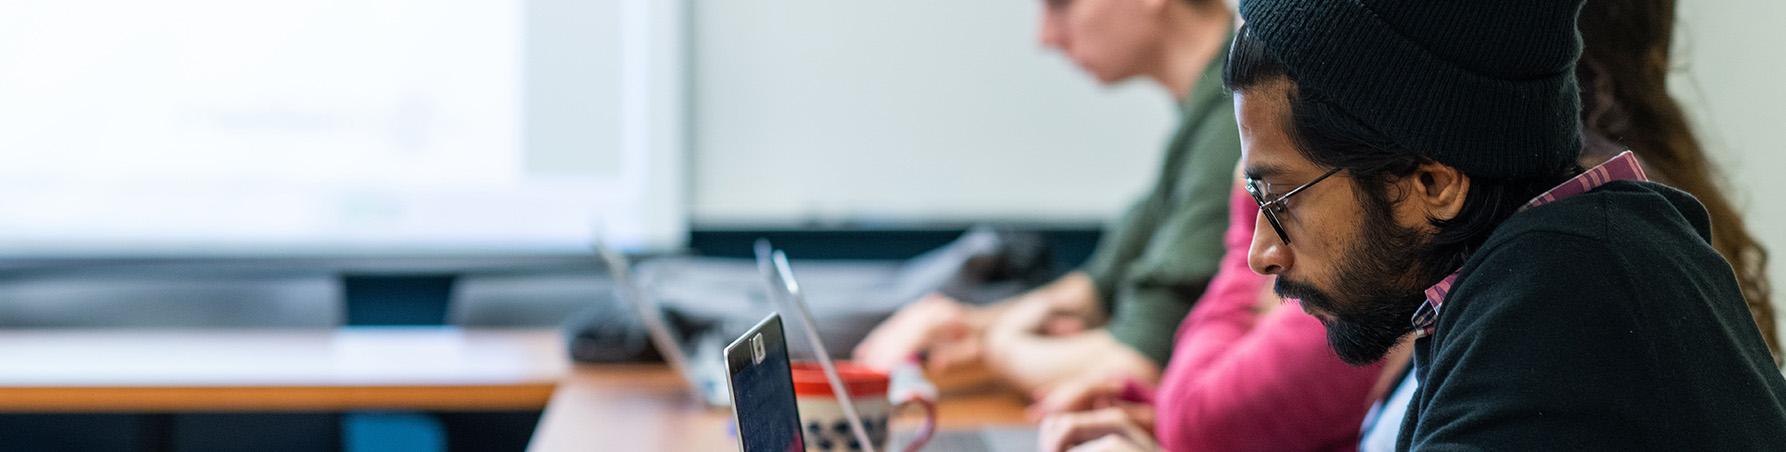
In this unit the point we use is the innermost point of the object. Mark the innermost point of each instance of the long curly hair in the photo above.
(1625, 104)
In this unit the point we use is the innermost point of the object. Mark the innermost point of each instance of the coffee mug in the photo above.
(823, 425)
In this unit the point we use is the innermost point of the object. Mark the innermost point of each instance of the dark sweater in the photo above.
(1604, 321)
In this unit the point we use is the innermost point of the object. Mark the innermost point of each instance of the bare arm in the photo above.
(951, 333)
(1026, 345)
(1071, 297)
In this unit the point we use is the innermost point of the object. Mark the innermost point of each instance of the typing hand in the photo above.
(936, 326)
(1044, 316)
(1111, 443)
(1108, 429)
(1079, 394)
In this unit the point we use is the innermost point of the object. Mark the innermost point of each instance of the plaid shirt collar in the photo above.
(1622, 167)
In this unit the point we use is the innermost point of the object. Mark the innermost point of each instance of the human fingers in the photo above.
(1079, 394)
(1063, 431)
(1109, 443)
(907, 332)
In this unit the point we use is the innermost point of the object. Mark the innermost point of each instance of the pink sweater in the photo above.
(1239, 381)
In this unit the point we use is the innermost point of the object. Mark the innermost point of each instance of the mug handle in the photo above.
(908, 386)
(929, 428)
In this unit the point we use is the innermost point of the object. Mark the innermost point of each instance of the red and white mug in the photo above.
(822, 423)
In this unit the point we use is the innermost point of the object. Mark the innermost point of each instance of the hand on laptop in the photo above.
(945, 331)
(1119, 428)
(1111, 443)
(1079, 394)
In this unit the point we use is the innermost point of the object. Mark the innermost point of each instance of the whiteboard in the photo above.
(221, 127)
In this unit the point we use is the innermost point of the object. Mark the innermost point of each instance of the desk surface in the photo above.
(263, 371)
(647, 408)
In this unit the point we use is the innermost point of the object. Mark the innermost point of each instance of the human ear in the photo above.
(1440, 189)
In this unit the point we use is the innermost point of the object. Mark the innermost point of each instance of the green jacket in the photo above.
(1153, 263)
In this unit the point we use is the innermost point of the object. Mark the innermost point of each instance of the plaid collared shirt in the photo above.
(1622, 167)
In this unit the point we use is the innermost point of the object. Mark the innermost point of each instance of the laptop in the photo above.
(705, 385)
(764, 411)
(781, 285)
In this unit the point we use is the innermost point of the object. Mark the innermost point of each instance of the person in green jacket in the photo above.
(1116, 316)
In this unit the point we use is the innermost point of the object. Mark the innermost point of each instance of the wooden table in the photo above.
(648, 408)
(357, 368)
(610, 407)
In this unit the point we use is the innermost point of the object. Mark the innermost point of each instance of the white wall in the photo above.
(1732, 55)
(909, 111)
(815, 110)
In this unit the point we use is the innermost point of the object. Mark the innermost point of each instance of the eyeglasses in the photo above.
(1272, 208)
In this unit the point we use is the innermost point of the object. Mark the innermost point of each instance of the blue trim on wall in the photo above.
(1070, 246)
(397, 300)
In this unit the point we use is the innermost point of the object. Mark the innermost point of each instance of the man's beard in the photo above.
(1380, 278)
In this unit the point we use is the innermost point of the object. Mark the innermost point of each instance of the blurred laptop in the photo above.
(766, 413)
(706, 385)
(782, 285)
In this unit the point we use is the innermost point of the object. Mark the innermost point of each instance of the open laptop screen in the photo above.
(763, 403)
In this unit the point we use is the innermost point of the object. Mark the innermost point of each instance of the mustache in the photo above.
(1303, 292)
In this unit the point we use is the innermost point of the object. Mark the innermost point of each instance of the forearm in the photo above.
(1037, 363)
(946, 332)
(1072, 295)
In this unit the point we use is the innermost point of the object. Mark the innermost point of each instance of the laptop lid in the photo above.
(662, 336)
(764, 410)
(779, 278)
(781, 285)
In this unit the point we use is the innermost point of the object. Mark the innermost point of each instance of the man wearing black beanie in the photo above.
(1414, 163)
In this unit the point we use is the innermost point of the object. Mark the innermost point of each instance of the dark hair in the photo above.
(1328, 136)
(1623, 75)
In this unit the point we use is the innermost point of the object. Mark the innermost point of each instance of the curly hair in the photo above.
(1623, 74)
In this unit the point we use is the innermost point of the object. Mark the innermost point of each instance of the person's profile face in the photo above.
(1318, 220)
(1109, 39)
(1347, 260)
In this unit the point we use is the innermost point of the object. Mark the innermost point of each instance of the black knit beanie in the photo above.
(1487, 87)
